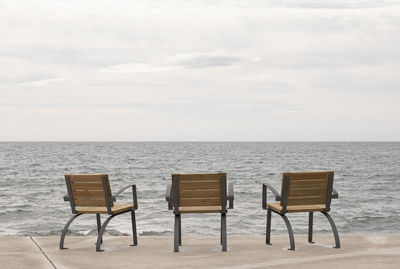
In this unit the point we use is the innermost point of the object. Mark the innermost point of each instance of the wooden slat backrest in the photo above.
(307, 188)
(200, 189)
(88, 190)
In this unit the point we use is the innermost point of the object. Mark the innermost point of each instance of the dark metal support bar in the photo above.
(274, 192)
(98, 225)
(285, 193)
(268, 232)
(175, 194)
(106, 193)
(329, 192)
(180, 229)
(223, 193)
(220, 234)
(176, 234)
(264, 196)
(290, 231)
(70, 194)
(103, 228)
(223, 231)
(64, 232)
(334, 230)
(134, 232)
(310, 226)
(134, 197)
(114, 197)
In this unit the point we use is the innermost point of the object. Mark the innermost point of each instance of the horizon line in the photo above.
(194, 141)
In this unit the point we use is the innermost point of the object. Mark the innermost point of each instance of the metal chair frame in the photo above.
(101, 227)
(331, 194)
(173, 204)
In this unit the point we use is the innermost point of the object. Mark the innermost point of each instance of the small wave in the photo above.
(17, 211)
(112, 232)
(150, 233)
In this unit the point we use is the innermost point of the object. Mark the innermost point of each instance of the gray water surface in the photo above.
(367, 177)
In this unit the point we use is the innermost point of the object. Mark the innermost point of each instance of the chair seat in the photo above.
(117, 208)
(200, 209)
(295, 208)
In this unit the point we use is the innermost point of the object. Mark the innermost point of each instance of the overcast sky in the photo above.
(278, 70)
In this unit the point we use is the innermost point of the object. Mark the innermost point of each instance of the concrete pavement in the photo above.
(244, 252)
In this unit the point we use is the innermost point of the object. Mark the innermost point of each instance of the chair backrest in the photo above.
(199, 190)
(89, 191)
(307, 188)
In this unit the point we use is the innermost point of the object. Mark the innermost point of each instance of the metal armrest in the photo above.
(168, 196)
(335, 194)
(134, 195)
(264, 194)
(231, 195)
(66, 198)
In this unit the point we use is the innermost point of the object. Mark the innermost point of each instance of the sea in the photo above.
(32, 185)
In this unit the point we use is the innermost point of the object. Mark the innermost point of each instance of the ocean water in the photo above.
(367, 177)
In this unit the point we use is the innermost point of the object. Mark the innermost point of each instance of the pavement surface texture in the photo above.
(244, 252)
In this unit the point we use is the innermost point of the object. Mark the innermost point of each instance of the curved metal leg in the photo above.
(66, 229)
(334, 230)
(103, 227)
(268, 232)
(134, 233)
(290, 231)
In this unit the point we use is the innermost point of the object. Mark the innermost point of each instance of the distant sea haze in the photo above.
(32, 185)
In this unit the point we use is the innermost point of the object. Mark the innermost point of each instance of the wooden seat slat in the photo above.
(89, 202)
(196, 177)
(296, 208)
(307, 182)
(306, 200)
(307, 175)
(88, 193)
(200, 193)
(200, 209)
(87, 186)
(305, 192)
(117, 208)
(86, 178)
(199, 185)
(214, 201)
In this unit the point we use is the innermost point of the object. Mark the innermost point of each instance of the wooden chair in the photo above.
(199, 193)
(91, 194)
(302, 192)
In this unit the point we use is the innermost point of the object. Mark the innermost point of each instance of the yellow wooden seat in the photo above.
(117, 208)
(91, 194)
(199, 193)
(295, 208)
(302, 192)
(200, 209)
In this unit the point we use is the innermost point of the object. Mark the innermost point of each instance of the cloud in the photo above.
(204, 60)
(179, 61)
(42, 82)
(136, 68)
(259, 64)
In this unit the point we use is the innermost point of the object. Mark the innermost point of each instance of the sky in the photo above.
(267, 70)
